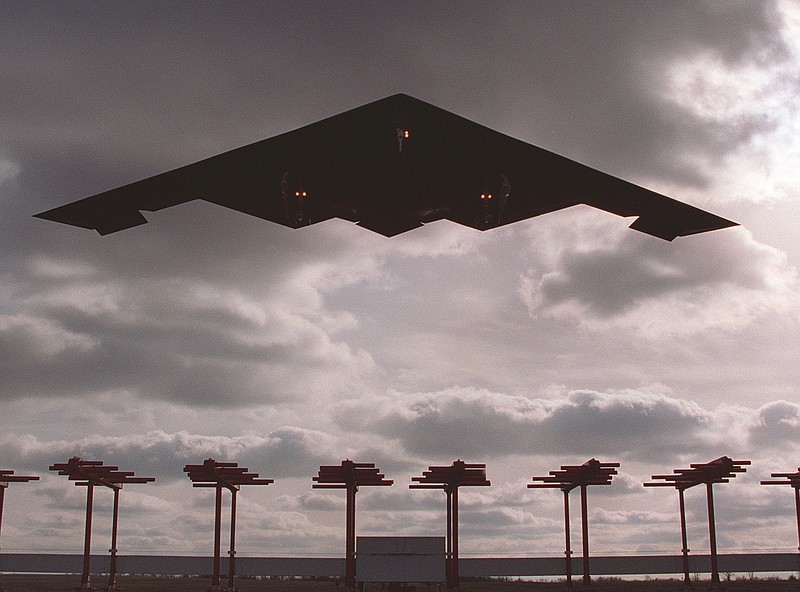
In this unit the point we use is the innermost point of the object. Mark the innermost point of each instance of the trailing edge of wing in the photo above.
(121, 208)
(104, 222)
(687, 225)
(657, 215)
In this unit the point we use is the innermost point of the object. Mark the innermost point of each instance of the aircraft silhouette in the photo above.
(390, 166)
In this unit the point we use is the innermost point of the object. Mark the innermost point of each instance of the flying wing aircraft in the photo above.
(391, 166)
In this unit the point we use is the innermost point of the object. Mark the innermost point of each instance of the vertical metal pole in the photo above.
(232, 552)
(87, 540)
(217, 536)
(112, 568)
(448, 557)
(587, 579)
(568, 549)
(684, 538)
(350, 543)
(797, 513)
(353, 535)
(712, 535)
(454, 569)
(796, 509)
(3, 487)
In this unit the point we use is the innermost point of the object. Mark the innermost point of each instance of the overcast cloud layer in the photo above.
(209, 333)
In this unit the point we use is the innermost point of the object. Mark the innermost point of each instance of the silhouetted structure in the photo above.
(350, 476)
(7, 476)
(391, 166)
(592, 472)
(230, 476)
(91, 473)
(449, 479)
(793, 480)
(720, 470)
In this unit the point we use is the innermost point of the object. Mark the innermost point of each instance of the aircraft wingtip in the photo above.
(103, 224)
(669, 232)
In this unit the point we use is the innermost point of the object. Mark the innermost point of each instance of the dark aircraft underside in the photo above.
(390, 166)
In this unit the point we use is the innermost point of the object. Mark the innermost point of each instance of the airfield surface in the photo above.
(68, 583)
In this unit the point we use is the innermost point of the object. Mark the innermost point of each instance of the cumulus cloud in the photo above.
(726, 281)
(631, 518)
(315, 501)
(285, 452)
(184, 341)
(748, 109)
(38, 339)
(635, 130)
(8, 171)
(776, 424)
(635, 425)
(468, 421)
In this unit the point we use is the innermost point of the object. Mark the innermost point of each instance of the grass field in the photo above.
(68, 583)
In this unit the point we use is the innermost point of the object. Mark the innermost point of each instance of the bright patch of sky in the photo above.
(8, 171)
(754, 100)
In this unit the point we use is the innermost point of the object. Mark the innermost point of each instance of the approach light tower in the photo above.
(7, 476)
(592, 472)
(450, 479)
(793, 480)
(720, 470)
(230, 476)
(90, 474)
(350, 476)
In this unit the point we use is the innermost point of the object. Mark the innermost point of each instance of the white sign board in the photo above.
(400, 559)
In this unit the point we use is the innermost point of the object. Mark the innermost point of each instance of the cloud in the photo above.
(162, 327)
(186, 341)
(634, 426)
(470, 422)
(38, 340)
(726, 281)
(9, 170)
(776, 424)
(747, 107)
(633, 518)
(315, 501)
(601, 98)
(283, 453)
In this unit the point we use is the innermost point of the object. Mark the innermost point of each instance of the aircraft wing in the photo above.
(390, 166)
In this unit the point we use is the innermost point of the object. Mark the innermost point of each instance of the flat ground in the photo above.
(68, 583)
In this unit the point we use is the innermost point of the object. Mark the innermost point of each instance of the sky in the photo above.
(209, 333)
